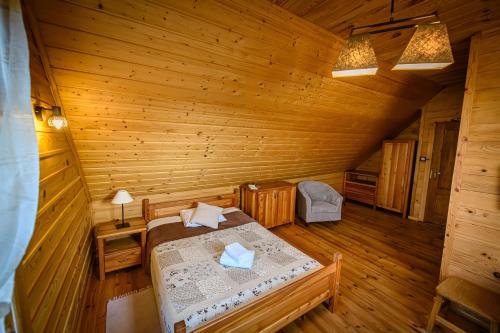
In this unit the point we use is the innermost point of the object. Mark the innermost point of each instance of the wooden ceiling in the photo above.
(462, 17)
(166, 96)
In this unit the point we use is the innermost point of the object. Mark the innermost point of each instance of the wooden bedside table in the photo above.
(120, 248)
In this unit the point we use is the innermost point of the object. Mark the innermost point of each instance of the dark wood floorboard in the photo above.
(389, 273)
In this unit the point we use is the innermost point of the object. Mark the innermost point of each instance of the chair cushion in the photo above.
(323, 207)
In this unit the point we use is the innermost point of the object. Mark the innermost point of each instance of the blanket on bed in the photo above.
(192, 286)
(173, 231)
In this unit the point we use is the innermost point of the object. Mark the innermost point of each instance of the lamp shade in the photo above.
(57, 122)
(429, 48)
(357, 57)
(122, 197)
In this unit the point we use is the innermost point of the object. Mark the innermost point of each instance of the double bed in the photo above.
(194, 293)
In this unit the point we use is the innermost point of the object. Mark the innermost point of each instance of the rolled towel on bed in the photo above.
(236, 255)
(226, 260)
(237, 251)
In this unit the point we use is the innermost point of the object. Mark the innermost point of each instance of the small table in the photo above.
(120, 248)
(476, 299)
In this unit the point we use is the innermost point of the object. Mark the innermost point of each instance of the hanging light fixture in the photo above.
(429, 48)
(356, 58)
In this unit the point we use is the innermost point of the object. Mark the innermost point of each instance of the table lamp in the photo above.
(122, 197)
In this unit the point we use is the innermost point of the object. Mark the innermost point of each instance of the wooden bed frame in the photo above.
(274, 310)
(151, 211)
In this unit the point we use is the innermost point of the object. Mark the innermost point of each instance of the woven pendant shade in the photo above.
(356, 58)
(429, 48)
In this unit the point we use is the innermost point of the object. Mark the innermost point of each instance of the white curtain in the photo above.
(19, 166)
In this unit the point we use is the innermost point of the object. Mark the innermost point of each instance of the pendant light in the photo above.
(356, 58)
(429, 48)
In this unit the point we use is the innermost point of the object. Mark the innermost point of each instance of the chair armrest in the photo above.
(339, 200)
(336, 198)
(304, 202)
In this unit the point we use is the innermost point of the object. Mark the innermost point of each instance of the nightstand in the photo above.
(120, 248)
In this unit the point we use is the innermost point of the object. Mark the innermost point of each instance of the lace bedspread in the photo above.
(191, 285)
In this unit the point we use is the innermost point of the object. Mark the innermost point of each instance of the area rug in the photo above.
(134, 312)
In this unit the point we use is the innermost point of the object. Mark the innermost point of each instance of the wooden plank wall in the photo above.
(176, 96)
(472, 247)
(445, 106)
(51, 279)
(374, 162)
(105, 212)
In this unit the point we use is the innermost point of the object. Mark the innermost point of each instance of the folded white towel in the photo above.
(246, 262)
(237, 251)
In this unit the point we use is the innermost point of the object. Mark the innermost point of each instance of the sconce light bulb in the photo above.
(57, 122)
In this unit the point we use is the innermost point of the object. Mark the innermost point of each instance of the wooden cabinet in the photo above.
(361, 186)
(120, 248)
(395, 175)
(271, 204)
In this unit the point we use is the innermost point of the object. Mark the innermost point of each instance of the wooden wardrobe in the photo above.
(395, 175)
(271, 204)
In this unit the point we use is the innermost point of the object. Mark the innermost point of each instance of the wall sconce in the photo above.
(56, 120)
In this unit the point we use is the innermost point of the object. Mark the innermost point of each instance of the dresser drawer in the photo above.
(360, 188)
(121, 259)
(361, 197)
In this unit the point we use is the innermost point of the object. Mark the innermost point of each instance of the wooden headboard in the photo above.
(151, 211)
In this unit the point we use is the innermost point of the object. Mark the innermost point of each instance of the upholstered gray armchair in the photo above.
(317, 202)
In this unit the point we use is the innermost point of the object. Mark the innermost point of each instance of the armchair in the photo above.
(318, 202)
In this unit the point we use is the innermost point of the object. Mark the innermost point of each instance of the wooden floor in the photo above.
(389, 273)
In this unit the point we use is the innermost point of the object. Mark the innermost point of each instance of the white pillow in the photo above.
(206, 215)
(186, 218)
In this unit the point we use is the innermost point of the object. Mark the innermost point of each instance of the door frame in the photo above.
(432, 142)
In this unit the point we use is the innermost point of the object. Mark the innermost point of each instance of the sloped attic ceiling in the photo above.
(165, 96)
(462, 17)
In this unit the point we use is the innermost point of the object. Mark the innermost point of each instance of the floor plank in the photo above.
(389, 273)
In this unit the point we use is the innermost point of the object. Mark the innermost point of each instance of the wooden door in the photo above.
(442, 165)
(267, 208)
(286, 206)
(395, 175)
(249, 202)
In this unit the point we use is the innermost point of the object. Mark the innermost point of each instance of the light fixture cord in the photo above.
(392, 11)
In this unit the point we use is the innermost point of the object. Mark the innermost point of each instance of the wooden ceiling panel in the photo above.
(166, 96)
(462, 17)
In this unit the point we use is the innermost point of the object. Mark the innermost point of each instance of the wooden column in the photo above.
(470, 85)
